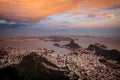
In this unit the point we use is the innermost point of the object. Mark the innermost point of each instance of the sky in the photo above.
(38, 17)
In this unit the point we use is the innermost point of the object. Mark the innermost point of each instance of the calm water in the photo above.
(83, 42)
(109, 42)
(35, 45)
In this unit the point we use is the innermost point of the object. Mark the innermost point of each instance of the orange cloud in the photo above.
(111, 16)
(34, 9)
(38, 9)
(100, 4)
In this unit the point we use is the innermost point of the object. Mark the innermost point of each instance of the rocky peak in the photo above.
(72, 45)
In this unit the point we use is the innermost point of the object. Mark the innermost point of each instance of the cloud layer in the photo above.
(34, 10)
(100, 4)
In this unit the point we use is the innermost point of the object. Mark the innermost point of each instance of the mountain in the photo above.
(32, 68)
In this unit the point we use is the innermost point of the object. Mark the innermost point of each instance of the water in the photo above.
(83, 42)
(35, 45)
(109, 42)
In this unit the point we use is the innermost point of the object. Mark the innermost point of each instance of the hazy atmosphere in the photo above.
(59, 39)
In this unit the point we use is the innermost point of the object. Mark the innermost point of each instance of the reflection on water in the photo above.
(83, 42)
(35, 45)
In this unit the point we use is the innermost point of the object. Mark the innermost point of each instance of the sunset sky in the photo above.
(37, 17)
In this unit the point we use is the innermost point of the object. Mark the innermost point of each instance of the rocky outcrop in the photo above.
(72, 45)
(107, 54)
(57, 45)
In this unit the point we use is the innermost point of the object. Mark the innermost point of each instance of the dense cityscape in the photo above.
(80, 64)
